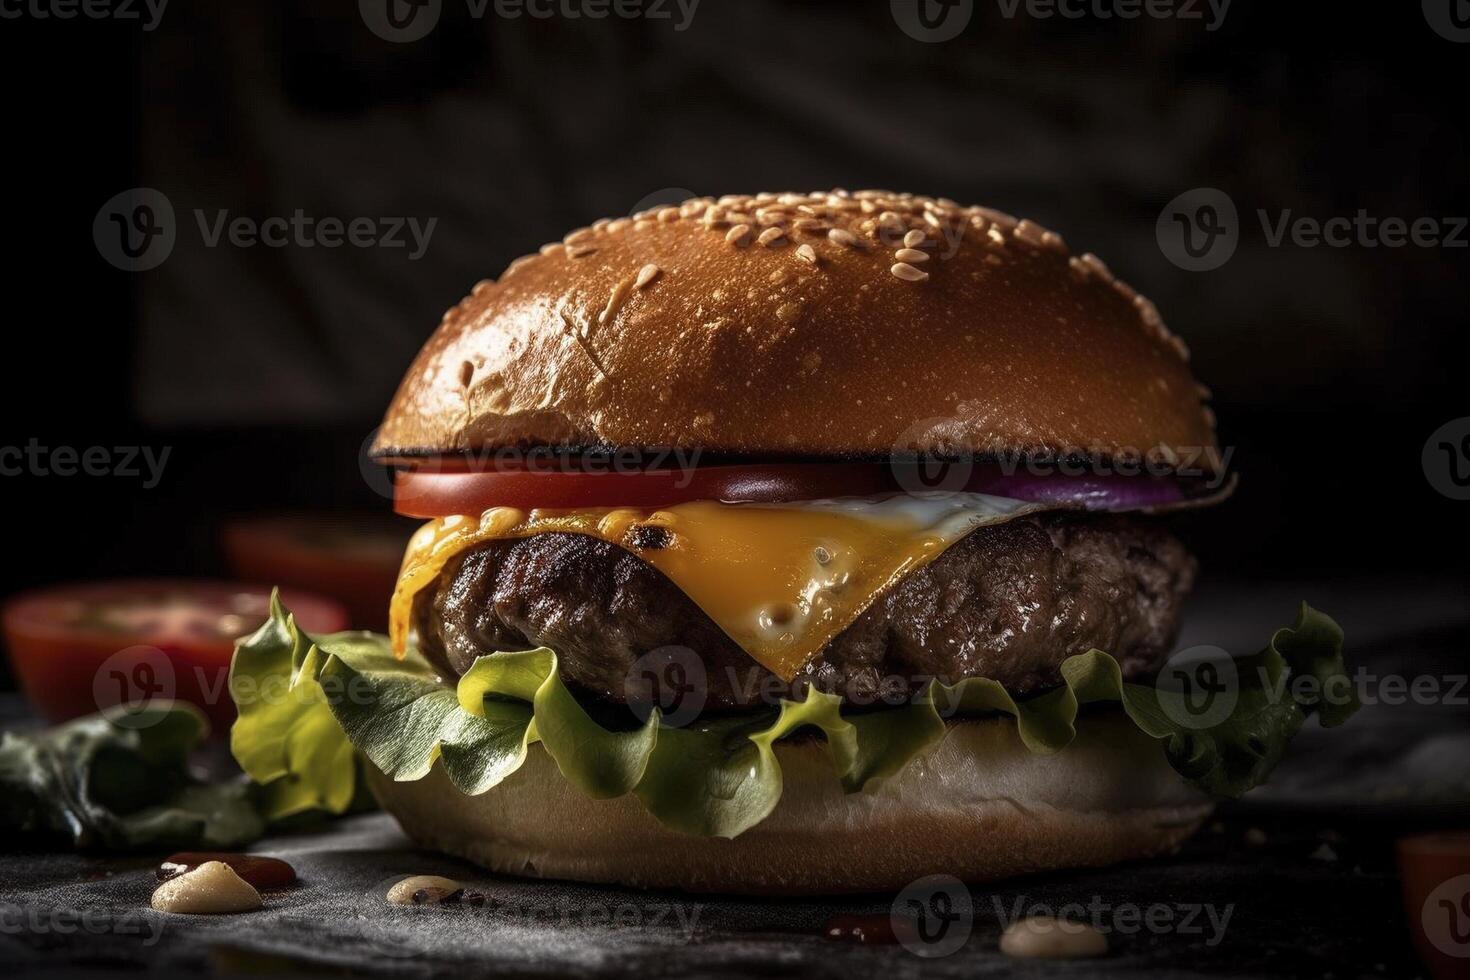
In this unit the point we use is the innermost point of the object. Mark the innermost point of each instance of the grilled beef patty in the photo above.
(1009, 602)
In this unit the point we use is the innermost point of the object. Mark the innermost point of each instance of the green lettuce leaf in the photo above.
(306, 705)
(119, 781)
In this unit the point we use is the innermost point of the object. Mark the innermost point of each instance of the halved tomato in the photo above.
(351, 558)
(78, 649)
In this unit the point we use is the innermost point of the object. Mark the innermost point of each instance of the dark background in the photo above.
(266, 369)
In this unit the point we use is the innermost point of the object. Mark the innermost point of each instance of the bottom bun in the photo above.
(977, 805)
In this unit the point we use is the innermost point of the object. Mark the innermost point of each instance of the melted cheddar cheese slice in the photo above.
(781, 579)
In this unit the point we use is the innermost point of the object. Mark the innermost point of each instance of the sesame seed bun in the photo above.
(978, 805)
(825, 324)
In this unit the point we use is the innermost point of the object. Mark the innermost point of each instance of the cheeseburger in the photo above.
(789, 543)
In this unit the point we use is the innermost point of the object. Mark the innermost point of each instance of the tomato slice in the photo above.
(437, 493)
(78, 649)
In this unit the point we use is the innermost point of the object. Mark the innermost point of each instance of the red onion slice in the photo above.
(1111, 492)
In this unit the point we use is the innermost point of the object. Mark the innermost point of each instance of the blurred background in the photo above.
(262, 370)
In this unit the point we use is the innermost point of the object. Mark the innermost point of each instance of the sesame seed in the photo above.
(482, 287)
(516, 265)
(615, 301)
(646, 275)
(771, 236)
(914, 239)
(996, 235)
(550, 247)
(575, 237)
(1180, 347)
(601, 223)
(616, 226)
(908, 273)
(1148, 311)
(641, 224)
(807, 254)
(668, 214)
(1030, 232)
(1097, 266)
(998, 217)
(466, 374)
(811, 225)
(933, 219)
(739, 236)
(581, 251)
(911, 255)
(843, 237)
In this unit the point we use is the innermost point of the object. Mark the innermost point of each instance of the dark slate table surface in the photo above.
(1303, 868)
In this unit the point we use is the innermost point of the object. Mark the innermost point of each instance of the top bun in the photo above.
(782, 325)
